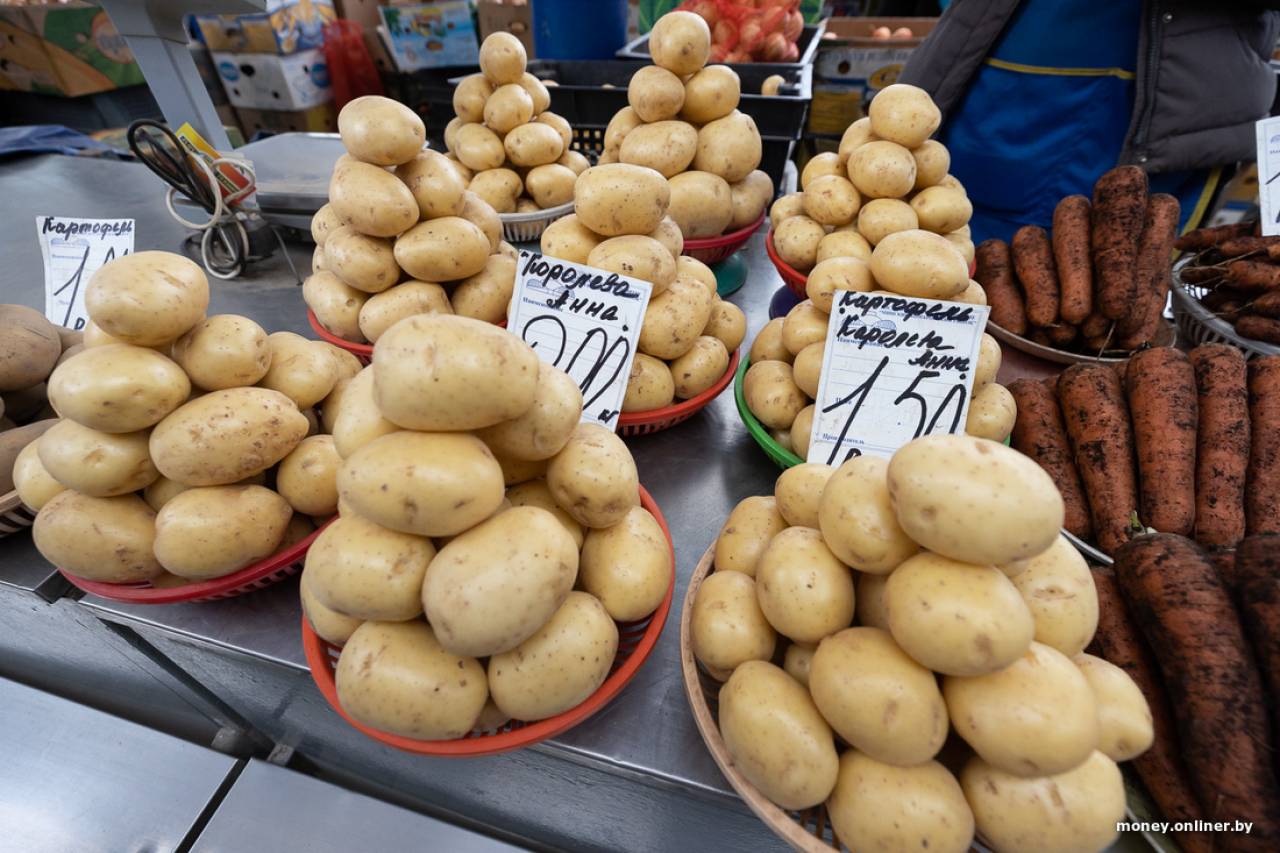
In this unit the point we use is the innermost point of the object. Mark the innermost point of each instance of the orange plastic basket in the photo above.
(656, 420)
(260, 575)
(792, 277)
(635, 642)
(364, 352)
(712, 250)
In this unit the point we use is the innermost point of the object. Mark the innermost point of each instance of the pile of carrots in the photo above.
(1099, 282)
(1241, 272)
(1200, 636)
(1168, 441)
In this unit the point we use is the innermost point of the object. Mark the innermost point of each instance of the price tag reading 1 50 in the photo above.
(894, 368)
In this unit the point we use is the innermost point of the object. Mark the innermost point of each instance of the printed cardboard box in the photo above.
(287, 26)
(268, 81)
(66, 49)
(321, 119)
(431, 35)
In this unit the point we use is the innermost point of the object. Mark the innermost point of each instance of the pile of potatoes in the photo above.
(486, 540)
(188, 446)
(512, 150)
(401, 233)
(904, 641)
(683, 121)
(621, 224)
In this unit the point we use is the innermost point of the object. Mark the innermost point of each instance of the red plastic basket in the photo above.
(711, 250)
(260, 575)
(792, 277)
(364, 352)
(656, 420)
(635, 642)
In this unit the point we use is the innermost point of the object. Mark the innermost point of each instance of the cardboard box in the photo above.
(321, 119)
(431, 35)
(286, 27)
(268, 81)
(850, 68)
(493, 16)
(67, 49)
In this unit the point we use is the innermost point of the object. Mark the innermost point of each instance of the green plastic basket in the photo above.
(781, 457)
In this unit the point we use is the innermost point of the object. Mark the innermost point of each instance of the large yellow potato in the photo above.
(728, 324)
(322, 222)
(819, 166)
(919, 263)
(636, 256)
(211, 531)
(746, 533)
(831, 200)
(383, 310)
(498, 187)
(798, 492)
(768, 346)
(675, 318)
(619, 199)
(727, 626)
(776, 737)
(655, 94)
(1124, 718)
(729, 147)
(857, 518)
(357, 420)
(380, 131)
(772, 394)
(942, 210)
(97, 464)
(1058, 588)
(550, 185)
(478, 148)
(877, 806)
(533, 144)
(804, 324)
(904, 114)
(565, 130)
(665, 146)
(594, 477)
(328, 624)
(650, 385)
(431, 484)
(363, 571)
(990, 357)
(791, 204)
(627, 566)
(801, 431)
(835, 274)
(992, 412)
(623, 122)
(147, 298)
(371, 200)
(336, 304)
(492, 587)
(700, 367)
(882, 169)
(301, 369)
(436, 185)
(117, 388)
(444, 372)
(308, 477)
(881, 217)
(933, 161)
(100, 539)
(224, 351)
(365, 263)
(538, 493)
(502, 58)
(843, 243)
(805, 592)
(31, 480)
(560, 665)
(796, 241)
(538, 91)
(957, 618)
(568, 239)
(711, 93)
(750, 196)
(469, 97)
(701, 204)
(396, 677)
(543, 430)
(487, 294)
(680, 42)
(855, 136)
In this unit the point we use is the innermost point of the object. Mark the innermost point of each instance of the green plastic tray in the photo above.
(782, 457)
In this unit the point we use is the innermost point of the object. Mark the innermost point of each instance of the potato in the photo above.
(933, 161)
(99, 539)
(804, 324)
(117, 388)
(871, 610)
(700, 367)
(992, 412)
(357, 420)
(497, 187)
(941, 210)
(371, 200)
(479, 148)
(801, 432)
(533, 144)
(323, 221)
(224, 436)
(396, 677)
(727, 626)
(772, 84)
(336, 305)
(543, 430)
(308, 478)
(621, 199)
(650, 385)
(835, 274)
(636, 256)
(538, 493)
(444, 249)
(162, 490)
(329, 625)
(990, 358)
(665, 146)
(675, 318)
(819, 166)
(550, 185)
(32, 481)
(1124, 718)
(560, 665)
(627, 566)
(806, 370)
(212, 531)
(436, 184)
(964, 246)
(502, 58)
(919, 263)
(364, 263)
(831, 200)
(972, 295)
(383, 310)
(791, 204)
(798, 491)
(904, 114)
(668, 233)
(1058, 589)
(594, 477)
(772, 394)
(881, 217)
(451, 145)
(655, 94)
(29, 345)
(782, 437)
(711, 93)
(1072, 811)
(796, 241)
(574, 160)
(487, 294)
(687, 267)
(729, 147)
(855, 136)
(857, 519)
(301, 369)
(94, 463)
(728, 324)
(381, 131)
(876, 806)
(768, 344)
(701, 204)
(680, 42)
(746, 533)
(623, 122)
(956, 618)
(469, 97)
(805, 592)
(361, 570)
(843, 243)
(567, 238)
(882, 169)
(776, 737)
(797, 660)
(1034, 717)
(144, 298)
(749, 196)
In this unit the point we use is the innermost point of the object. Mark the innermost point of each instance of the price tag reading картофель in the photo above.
(1268, 140)
(73, 250)
(584, 321)
(894, 368)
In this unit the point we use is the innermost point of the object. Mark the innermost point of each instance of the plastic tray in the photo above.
(808, 42)
(527, 227)
(1164, 337)
(277, 567)
(712, 250)
(656, 420)
(14, 514)
(635, 642)
(1199, 325)
(791, 277)
(781, 457)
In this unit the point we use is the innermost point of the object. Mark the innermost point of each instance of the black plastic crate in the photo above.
(807, 45)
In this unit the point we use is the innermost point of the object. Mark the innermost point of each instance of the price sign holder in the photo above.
(584, 321)
(895, 368)
(1268, 142)
(73, 250)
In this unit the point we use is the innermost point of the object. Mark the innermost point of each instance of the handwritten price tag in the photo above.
(895, 368)
(73, 250)
(584, 321)
(1268, 137)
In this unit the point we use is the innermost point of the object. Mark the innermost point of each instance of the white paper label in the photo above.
(1268, 133)
(584, 321)
(895, 368)
(73, 249)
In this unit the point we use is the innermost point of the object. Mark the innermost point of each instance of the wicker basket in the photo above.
(656, 420)
(14, 514)
(635, 642)
(528, 227)
(712, 250)
(260, 575)
(1198, 325)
